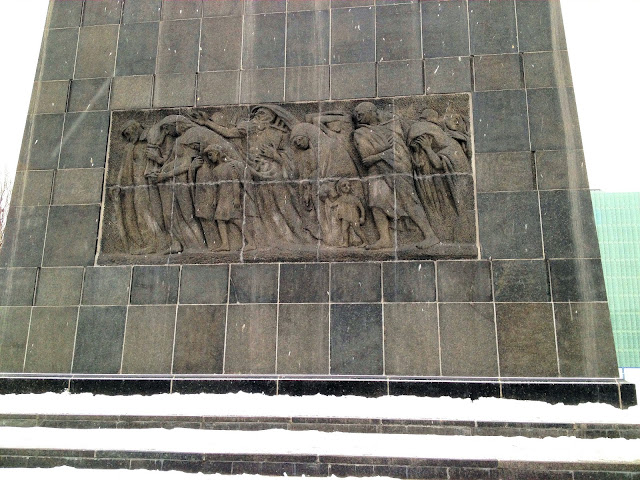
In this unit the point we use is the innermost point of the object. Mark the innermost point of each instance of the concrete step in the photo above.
(328, 424)
(317, 465)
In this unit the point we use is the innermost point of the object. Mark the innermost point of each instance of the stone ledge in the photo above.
(569, 391)
(312, 465)
(328, 424)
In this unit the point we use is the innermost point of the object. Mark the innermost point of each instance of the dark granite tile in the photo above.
(204, 284)
(334, 388)
(526, 340)
(493, 27)
(32, 188)
(148, 339)
(51, 338)
(90, 94)
(180, 9)
(409, 282)
(71, 235)
(264, 41)
(427, 472)
(99, 340)
(547, 69)
(33, 385)
(65, 14)
(59, 54)
(215, 8)
(400, 78)
(14, 328)
(553, 119)
(628, 397)
(96, 51)
(120, 387)
(106, 286)
(142, 11)
(509, 225)
(102, 12)
(221, 44)
(84, 142)
(353, 35)
(350, 3)
(199, 343)
(355, 282)
(585, 340)
(505, 172)
(445, 29)
(131, 92)
(540, 26)
(59, 286)
(304, 283)
(303, 339)
(78, 186)
(178, 47)
(398, 32)
(251, 339)
(137, 49)
(307, 83)
(254, 283)
(218, 88)
(300, 5)
(264, 6)
(411, 339)
(561, 169)
(50, 97)
(567, 393)
(521, 281)
(265, 85)
(356, 340)
(308, 38)
(500, 120)
(17, 286)
(42, 143)
(265, 387)
(577, 281)
(568, 224)
(464, 281)
(468, 340)
(175, 90)
(498, 72)
(154, 285)
(356, 80)
(448, 75)
(24, 237)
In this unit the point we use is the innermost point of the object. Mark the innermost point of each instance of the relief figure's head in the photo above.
(430, 115)
(366, 113)
(344, 186)
(132, 131)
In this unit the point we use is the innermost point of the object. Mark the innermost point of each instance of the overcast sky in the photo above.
(602, 36)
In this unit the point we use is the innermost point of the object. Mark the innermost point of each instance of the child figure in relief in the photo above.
(226, 177)
(348, 210)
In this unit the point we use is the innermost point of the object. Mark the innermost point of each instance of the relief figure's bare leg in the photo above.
(382, 224)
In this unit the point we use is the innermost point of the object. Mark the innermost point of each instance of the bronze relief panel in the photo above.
(346, 180)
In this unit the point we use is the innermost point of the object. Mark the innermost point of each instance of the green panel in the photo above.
(618, 223)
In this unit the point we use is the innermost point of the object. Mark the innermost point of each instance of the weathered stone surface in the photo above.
(294, 188)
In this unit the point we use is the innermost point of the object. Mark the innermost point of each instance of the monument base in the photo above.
(569, 391)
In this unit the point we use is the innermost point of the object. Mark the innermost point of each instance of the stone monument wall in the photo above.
(345, 187)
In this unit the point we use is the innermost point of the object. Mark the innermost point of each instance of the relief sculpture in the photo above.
(333, 181)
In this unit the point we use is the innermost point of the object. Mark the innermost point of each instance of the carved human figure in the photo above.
(320, 159)
(279, 208)
(349, 212)
(439, 161)
(141, 231)
(387, 159)
(456, 126)
(220, 197)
